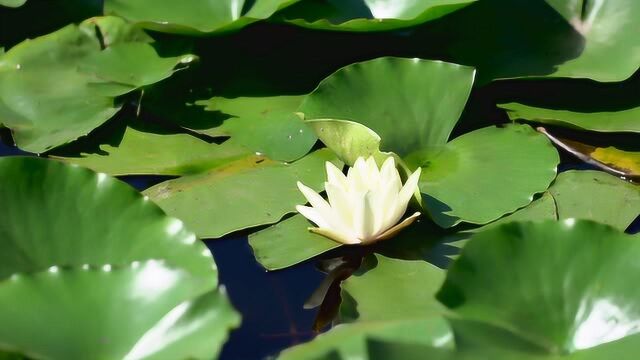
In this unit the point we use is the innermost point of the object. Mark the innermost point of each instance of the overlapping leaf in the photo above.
(134, 147)
(486, 174)
(603, 121)
(368, 15)
(555, 287)
(249, 192)
(404, 101)
(130, 264)
(268, 125)
(60, 86)
(194, 16)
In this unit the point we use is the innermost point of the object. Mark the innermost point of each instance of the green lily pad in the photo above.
(558, 286)
(598, 196)
(287, 243)
(409, 289)
(194, 16)
(349, 341)
(128, 263)
(247, 193)
(268, 125)
(68, 218)
(90, 306)
(402, 100)
(12, 3)
(60, 86)
(134, 147)
(368, 15)
(349, 140)
(605, 121)
(554, 38)
(467, 180)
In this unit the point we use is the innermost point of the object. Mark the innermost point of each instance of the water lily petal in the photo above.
(340, 202)
(331, 218)
(409, 187)
(364, 217)
(372, 175)
(355, 180)
(396, 229)
(314, 198)
(389, 175)
(335, 236)
(313, 215)
(335, 176)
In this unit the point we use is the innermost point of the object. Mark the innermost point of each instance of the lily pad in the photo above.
(268, 125)
(559, 286)
(401, 100)
(40, 225)
(349, 140)
(591, 39)
(597, 196)
(194, 16)
(60, 86)
(12, 3)
(350, 340)
(368, 15)
(603, 121)
(130, 264)
(409, 288)
(78, 303)
(246, 193)
(467, 180)
(288, 243)
(134, 147)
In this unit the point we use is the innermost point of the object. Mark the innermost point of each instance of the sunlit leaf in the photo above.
(368, 15)
(83, 253)
(350, 340)
(268, 125)
(411, 104)
(556, 286)
(485, 174)
(246, 193)
(194, 16)
(145, 148)
(60, 86)
(603, 121)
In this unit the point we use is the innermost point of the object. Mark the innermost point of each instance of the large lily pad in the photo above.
(194, 16)
(60, 86)
(129, 263)
(268, 125)
(603, 121)
(411, 104)
(134, 147)
(368, 15)
(485, 174)
(51, 207)
(246, 193)
(558, 286)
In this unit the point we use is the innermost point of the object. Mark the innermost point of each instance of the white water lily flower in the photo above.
(364, 206)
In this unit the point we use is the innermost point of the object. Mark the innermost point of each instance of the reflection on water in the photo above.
(271, 303)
